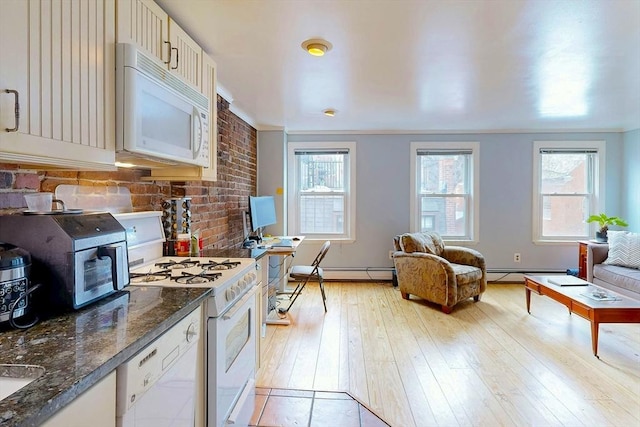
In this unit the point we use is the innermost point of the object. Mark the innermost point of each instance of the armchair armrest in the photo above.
(596, 254)
(426, 275)
(465, 256)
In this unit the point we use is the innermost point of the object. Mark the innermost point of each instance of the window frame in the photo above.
(473, 216)
(293, 226)
(597, 199)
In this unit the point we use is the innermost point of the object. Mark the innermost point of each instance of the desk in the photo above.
(277, 281)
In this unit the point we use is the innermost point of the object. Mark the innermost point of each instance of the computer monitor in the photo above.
(262, 211)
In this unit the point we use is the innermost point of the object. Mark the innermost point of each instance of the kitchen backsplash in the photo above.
(216, 206)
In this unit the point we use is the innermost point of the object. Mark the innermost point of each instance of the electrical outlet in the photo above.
(391, 254)
(516, 257)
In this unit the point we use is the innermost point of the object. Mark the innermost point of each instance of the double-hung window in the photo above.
(321, 197)
(444, 189)
(568, 188)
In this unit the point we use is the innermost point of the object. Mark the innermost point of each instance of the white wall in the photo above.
(506, 166)
(631, 180)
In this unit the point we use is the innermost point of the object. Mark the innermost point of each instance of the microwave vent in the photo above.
(154, 70)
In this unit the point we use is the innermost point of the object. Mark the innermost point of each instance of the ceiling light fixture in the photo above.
(316, 47)
(329, 112)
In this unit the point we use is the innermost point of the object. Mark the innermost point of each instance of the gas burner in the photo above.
(223, 265)
(154, 276)
(176, 265)
(191, 278)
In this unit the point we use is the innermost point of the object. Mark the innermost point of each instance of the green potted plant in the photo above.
(604, 222)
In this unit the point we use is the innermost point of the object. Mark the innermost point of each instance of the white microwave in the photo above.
(160, 120)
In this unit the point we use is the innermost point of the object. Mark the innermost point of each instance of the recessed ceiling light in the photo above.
(316, 47)
(329, 112)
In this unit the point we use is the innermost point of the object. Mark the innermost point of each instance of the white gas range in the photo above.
(230, 312)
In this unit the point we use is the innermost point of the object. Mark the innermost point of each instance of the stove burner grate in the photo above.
(154, 276)
(177, 265)
(202, 277)
(223, 265)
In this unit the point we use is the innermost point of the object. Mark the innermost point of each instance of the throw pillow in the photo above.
(624, 249)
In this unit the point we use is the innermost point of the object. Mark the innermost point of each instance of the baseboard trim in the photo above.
(386, 274)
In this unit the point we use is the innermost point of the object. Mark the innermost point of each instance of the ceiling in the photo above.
(424, 65)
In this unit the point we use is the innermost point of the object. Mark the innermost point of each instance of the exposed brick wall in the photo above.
(216, 206)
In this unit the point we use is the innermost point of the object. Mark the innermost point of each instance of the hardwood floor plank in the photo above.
(487, 363)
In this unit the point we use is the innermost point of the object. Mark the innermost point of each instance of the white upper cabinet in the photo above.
(186, 55)
(57, 83)
(145, 24)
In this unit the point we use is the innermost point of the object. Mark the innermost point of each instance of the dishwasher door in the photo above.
(157, 387)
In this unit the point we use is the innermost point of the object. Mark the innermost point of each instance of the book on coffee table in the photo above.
(567, 281)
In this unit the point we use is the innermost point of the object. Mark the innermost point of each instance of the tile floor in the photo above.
(283, 407)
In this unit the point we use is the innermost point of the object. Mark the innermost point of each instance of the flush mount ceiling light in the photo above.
(316, 47)
(329, 112)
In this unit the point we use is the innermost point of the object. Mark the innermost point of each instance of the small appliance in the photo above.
(15, 286)
(79, 257)
(160, 120)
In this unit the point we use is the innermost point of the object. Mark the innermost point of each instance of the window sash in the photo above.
(579, 199)
(446, 222)
(332, 198)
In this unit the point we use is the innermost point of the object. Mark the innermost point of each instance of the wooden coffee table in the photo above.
(622, 310)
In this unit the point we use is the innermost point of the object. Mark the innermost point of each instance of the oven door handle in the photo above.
(248, 389)
(119, 276)
(238, 304)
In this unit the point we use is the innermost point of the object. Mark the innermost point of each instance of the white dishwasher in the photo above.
(157, 386)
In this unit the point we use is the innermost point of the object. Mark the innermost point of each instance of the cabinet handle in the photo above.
(17, 110)
(170, 50)
(177, 58)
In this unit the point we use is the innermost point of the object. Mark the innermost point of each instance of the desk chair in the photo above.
(303, 273)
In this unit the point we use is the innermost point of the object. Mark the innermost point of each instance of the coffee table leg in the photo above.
(594, 337)
(528, 296)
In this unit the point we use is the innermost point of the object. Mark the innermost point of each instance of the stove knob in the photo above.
(230, 294)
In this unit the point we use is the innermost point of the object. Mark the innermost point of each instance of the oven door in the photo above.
(231, 363)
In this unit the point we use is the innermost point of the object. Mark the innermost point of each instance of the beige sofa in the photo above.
(445, 275)
(614, 273)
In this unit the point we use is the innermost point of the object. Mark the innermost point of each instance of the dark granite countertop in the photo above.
(80, 348)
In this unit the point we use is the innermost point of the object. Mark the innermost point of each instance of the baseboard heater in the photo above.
(358, 273)
(511, 275)
(386, 273)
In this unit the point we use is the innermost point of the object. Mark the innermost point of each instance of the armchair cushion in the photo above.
(427, 242)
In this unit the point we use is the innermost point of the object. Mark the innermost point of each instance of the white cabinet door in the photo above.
(59, 56)
(145, 24)
(186, 56)
(95, 407)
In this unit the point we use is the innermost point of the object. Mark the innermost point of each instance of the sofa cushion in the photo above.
(427, 242)
(621, 277)
(624, 249)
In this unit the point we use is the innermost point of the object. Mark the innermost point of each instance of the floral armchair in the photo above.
(445, 275)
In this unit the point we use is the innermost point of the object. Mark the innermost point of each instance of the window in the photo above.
(444, 189)
(321, 190)
(568, 183)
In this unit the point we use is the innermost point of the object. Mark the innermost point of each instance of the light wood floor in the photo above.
(487, 363)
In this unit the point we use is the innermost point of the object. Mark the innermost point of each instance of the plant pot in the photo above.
(601, 236)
